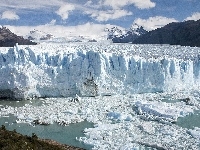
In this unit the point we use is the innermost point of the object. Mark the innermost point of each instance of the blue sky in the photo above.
(71, 13)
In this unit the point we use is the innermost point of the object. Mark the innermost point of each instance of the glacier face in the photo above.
(62, 70)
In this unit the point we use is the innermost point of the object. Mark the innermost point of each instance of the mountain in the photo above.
(36, 35)
(185, 33)
(9, 39)
(125, 36)
(41, 36)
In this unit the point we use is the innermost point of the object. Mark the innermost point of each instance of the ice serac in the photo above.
(62, 70)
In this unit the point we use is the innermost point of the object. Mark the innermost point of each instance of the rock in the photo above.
(9, 39)
(183, 33)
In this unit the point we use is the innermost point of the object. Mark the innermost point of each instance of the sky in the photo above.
(89, 17)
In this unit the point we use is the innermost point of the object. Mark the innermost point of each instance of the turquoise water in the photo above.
(68, 134)
(62, 134)
(36, 102)
(190, 121)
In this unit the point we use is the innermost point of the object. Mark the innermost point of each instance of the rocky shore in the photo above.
(15, 141)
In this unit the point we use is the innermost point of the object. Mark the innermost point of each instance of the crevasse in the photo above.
(62, 70)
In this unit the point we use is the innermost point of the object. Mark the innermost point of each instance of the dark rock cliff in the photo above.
(182, 33)
(9, 39)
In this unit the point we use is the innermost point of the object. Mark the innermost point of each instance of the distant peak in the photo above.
(125, 35)
(135, 26)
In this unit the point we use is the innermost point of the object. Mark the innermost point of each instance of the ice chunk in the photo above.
(119, 116)
(162, 111)
(195, 132)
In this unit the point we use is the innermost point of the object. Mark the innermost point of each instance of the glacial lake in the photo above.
(63, 134)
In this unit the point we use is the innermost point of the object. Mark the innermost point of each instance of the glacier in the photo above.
(91, 69)
(134, 94)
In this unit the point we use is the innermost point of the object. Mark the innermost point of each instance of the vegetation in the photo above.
(11, 140)
(178, 33)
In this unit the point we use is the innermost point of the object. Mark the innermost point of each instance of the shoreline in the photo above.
(14, 140)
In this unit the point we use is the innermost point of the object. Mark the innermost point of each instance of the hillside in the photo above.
(183, 33)
(9, 39)
(15, 141)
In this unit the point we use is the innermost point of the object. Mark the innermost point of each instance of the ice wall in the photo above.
(62, 70)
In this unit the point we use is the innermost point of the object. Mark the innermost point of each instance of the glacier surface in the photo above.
(62, 70)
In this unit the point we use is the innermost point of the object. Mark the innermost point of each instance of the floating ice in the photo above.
(195, 132)
(117, 125)
(119, 116)
(162, 111)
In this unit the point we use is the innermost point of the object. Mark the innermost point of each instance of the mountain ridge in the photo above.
(9, 39)
(125, 36)
(185, 33)
(36, 35)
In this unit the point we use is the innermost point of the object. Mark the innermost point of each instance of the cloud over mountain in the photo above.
(64, 10)
(195, 16)
(150, 14)
(10, 15)
(153, 23)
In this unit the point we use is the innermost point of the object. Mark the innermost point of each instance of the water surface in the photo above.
(62, 134)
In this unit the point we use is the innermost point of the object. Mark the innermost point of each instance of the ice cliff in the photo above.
(62, 70)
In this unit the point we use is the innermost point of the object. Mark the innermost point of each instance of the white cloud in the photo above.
(108, 15)
(88, 3)
(153, 23)
(90, 30)
(64, 10)
(195, 16)
(29, 4)
(142, 4)
(10, 15)
(115, 8)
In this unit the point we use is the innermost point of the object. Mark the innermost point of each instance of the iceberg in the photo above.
(91, 69)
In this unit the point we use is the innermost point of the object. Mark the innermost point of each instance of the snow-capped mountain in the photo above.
(41, 36)
(36, 35)
(127, 35)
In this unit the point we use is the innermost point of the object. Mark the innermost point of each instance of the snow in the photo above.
(62, 70)
(83, 32)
